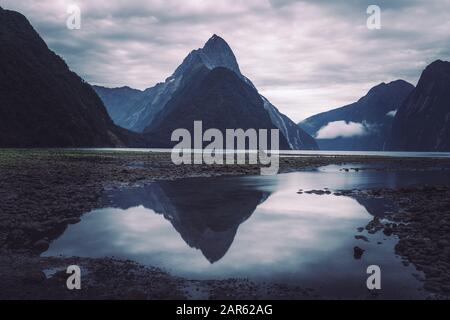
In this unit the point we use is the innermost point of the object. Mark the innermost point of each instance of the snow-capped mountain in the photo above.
(148, 110)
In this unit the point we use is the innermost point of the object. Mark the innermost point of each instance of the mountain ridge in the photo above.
(372, 114)
(43, 102)
(422, 123)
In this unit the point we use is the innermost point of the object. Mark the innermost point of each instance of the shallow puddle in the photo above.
(253, 227)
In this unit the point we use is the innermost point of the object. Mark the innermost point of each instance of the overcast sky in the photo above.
(304, 56)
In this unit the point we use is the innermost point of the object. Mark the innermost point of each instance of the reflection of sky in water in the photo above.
(289, 237)
(267, 242)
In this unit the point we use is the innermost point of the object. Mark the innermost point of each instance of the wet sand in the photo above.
(43, 191)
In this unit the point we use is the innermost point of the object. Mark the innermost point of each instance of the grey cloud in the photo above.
(350, 5)
(305, 56)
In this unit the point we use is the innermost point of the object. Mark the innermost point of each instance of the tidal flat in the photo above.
(44, 194)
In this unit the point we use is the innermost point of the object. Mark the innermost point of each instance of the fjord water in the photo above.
(254, 227)
(300, 153)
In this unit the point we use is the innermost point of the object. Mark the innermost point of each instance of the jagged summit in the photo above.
(215, 53)
(214, 40)
(217, 44)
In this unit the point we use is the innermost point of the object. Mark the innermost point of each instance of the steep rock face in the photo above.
(220, 99)
(42, 102)
(370, 118)
(296, 137)
(149, 110)
(119, 101)
(423, 121)
(139, 108)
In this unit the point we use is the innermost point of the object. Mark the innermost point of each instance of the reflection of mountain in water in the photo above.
(377, 207)
(206, 212)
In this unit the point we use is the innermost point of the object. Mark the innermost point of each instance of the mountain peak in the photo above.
(439, 62)
(399, 82)
(422, 122)
(394, 85)
(438, 66)
(217, 53)
(437, 72)
(217, 44)
(215, 40)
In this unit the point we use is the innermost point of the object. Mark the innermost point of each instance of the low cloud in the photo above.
(342, 129)
(391, 113)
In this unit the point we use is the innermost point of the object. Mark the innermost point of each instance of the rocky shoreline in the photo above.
(422, 225)
(44, 191)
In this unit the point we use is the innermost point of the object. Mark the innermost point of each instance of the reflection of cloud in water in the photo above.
(205, 212)
(286, 231)
(256, 227)
(136, 230)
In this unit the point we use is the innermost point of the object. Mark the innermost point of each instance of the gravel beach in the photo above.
(44, 191)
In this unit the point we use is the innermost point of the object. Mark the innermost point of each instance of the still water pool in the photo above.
(253, 227)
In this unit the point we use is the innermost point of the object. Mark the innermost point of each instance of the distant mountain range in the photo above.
(363, 125)
(42, 102)
(391, 117)
(207, 86)
(422, 122)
